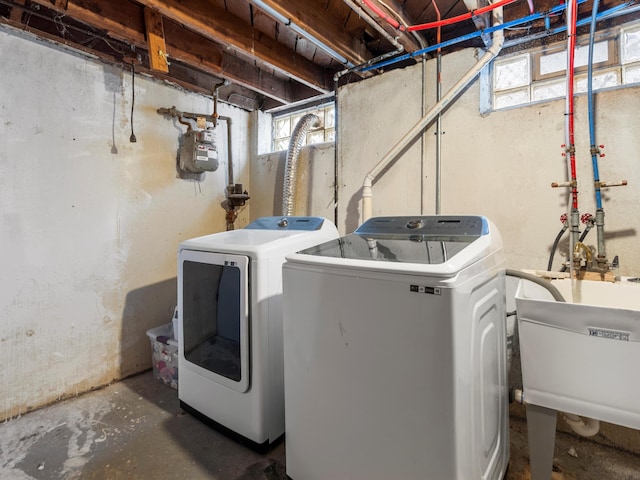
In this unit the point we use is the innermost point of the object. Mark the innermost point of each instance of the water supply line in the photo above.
(371, 22)
(399, 48)
(439, 117)
(440, 23)
(293, 152)
(574, 222)
(589, 222)
(409, 137)
(565, 225)
(601, 258)
(626, 8)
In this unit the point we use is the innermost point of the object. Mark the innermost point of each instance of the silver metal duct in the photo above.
(295, 144)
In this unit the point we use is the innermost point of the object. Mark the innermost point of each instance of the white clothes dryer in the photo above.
(230, 324)
(395, 353)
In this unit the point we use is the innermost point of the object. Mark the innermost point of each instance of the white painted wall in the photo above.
(90, 222)
(500, 165)
(313, 188)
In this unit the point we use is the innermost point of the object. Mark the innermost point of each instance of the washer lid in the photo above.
(428, 240)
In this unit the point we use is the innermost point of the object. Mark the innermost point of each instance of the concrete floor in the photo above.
(135, 429)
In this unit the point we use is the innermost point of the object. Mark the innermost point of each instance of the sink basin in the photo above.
(581, 356)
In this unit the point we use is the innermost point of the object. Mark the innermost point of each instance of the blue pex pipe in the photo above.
(512, 23)
(592, 121)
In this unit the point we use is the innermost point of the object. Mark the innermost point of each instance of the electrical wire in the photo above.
(132, 138)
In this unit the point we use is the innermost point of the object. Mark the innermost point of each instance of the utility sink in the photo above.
(582, 356)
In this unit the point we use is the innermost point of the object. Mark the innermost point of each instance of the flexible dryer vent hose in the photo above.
(295, 145)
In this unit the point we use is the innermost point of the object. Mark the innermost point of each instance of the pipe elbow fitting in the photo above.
(583, 426)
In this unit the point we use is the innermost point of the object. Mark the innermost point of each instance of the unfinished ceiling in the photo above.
(272, 53)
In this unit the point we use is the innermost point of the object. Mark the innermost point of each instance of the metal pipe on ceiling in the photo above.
(272, 12)
(371, 22)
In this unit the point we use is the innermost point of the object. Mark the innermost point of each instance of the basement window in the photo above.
(283, 126)
(539, 74)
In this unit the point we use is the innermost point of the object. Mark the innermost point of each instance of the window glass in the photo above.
(549, 90)
(600, 81)
(540, 74)
(600, 54)
(511, 98)
(630, 40)
(511, 73)
(284, 125)
(281, 144)
(632, 74)
(330, 117)
(315, 137)
(330, 135)
(554, 62)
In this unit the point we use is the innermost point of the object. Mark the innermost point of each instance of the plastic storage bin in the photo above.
(164, 354)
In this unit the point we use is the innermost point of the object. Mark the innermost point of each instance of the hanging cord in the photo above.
(132, 138)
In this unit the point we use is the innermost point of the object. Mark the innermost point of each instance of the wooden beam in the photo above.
(408, 41)
(16, 12)
(219, 25)
(189, 47)
(158, 57)
(124, 20)
(312, 18)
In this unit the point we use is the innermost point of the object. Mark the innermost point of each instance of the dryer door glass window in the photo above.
(214, 317)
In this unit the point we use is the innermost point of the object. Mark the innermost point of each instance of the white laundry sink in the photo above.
(581, 356)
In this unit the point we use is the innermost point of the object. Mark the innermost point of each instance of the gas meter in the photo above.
(199, 152)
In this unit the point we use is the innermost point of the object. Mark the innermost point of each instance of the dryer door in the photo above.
(213, 307)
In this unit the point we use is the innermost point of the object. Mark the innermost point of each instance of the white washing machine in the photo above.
(395, 353)
(230, 324)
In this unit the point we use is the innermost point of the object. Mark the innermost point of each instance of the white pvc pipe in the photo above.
(583, 426)
(367, 192)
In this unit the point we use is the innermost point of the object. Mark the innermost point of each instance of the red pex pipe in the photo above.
(459, 18)
(571, 32)
(378, 11)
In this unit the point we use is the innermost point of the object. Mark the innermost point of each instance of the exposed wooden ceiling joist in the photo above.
(123, 20)
(275, 53)
(316, 20)
(218, 25)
